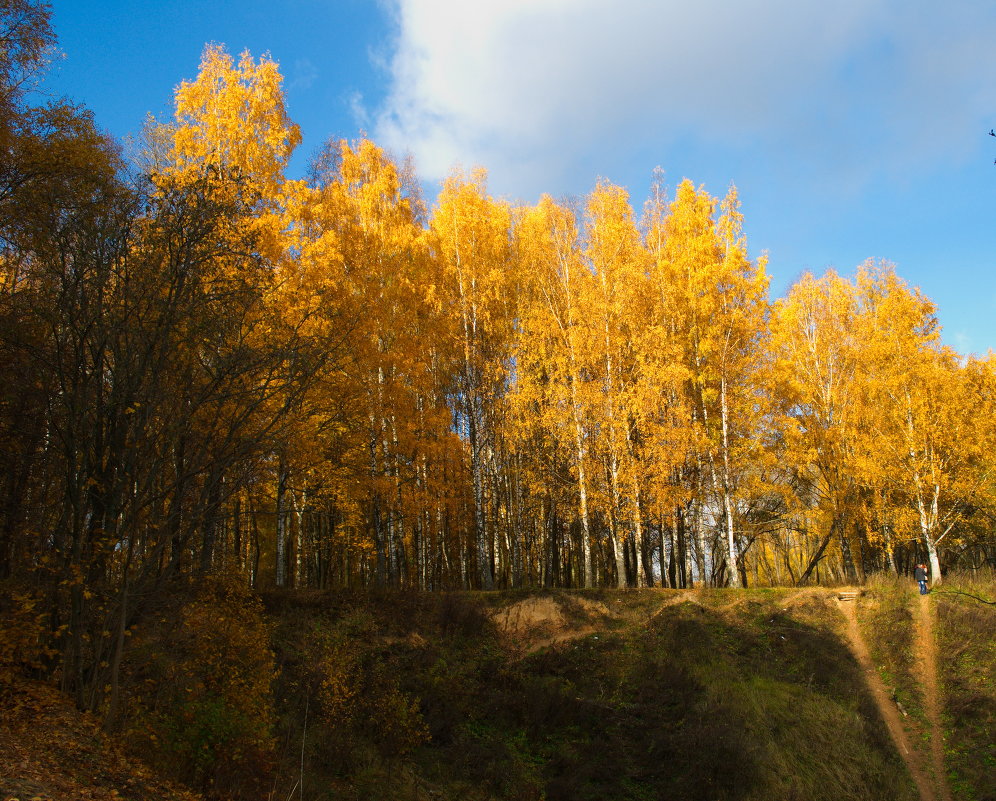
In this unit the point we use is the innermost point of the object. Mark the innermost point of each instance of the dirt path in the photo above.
(886, 707)
(927, 663)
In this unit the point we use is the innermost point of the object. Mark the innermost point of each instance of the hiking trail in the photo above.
(927, 664)
(886, 707)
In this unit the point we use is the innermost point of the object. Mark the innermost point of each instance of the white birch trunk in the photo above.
(299, 536)
(928, 530)
(589, 579)
(928, 517)
(730, 545)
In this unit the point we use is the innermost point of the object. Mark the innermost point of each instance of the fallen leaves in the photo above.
(49, 751)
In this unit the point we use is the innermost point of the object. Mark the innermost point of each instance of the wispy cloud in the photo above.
(358, 110)
(303, 75)
(531, 88)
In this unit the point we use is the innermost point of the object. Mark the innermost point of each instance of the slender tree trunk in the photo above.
(299, 506)
(211, 523)
(553, 535)
(729, 543)
(174, 521)
(618, 552)
(237, 533)
(518, 533)
(928, 517)
(890, 558)
(671, 559)
(641, 576)
(697, 511)
(686, 550)
(928, 528)
(477, 477)
(588, 578)
(113, 706)
(282, 477)
(847, 558)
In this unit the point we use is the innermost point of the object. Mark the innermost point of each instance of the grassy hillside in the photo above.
(650, 694)
(967, 644)
(623, 695)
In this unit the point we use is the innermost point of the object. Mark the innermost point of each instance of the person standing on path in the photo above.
(920, 575)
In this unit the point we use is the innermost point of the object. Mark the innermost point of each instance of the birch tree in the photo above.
(555, 375)
(472, 237)
(618, 260)
(922, 409)
(817, 355)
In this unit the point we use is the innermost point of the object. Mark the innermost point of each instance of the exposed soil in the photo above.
(540, 622)
(886, 706)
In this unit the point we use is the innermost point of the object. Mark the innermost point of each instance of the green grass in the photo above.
(967, 647)
(718, 695)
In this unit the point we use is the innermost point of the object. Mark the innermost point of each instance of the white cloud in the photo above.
(531, 88)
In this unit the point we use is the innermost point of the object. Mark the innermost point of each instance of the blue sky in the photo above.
(853, 130)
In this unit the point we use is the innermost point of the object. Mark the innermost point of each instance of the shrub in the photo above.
(359, 694)
(201, 697)
(24, 647)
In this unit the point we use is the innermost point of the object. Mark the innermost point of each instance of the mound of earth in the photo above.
(541, 621)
